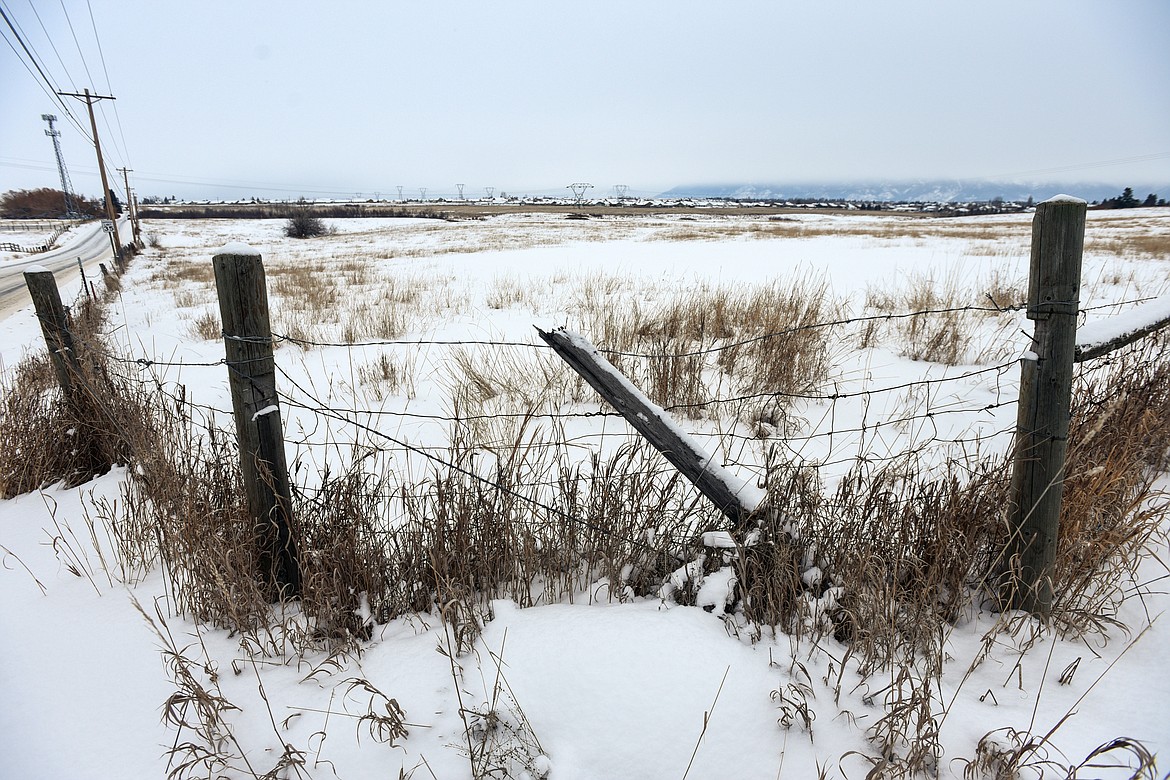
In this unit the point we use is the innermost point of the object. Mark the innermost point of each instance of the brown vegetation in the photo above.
(44, 203)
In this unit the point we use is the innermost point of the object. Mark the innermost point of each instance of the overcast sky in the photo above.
(280, 99)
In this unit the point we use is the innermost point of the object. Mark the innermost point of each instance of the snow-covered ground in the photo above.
(645, 689)
(24, 234)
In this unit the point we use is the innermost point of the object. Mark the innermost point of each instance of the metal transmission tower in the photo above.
(422, 193)
(400, 192)
(491, 192)
(66, 186)
(578, 189)
(620, 189)
(460, 188)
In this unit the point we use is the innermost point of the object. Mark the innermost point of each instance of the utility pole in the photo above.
(131, 206)
(90, 99)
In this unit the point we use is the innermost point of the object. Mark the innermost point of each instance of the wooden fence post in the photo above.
(243, 306)
(1058, 237)
(42, 286)
(84, 281)
(732, 496)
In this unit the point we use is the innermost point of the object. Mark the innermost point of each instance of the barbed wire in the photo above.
(283, 337)
(277, 338)
(320, 408)
(149, 363)
(453, 467)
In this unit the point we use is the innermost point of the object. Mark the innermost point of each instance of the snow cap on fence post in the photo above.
(238, 248)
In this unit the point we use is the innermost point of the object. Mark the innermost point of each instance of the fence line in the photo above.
(279, 337)
(45, 246)
(1056, 240)
(451, 418)
(148, 364)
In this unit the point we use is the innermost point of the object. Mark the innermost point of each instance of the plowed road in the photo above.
(89, 243)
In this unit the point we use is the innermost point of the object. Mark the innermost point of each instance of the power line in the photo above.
(45, 82)
(110, 89)
(77, 43)
(1085, 166)
(92, 80)
(49, 38)
(32, 58)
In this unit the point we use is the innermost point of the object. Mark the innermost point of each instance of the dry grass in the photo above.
(47, 436)
(1132, 244)
(953, 317)
(176, 271)
(385, 376)
(987, 236)
(206, 326)
(1112, 510)
(682, 348)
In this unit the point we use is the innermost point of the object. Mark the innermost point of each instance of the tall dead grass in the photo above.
(1113, 511)
(950, 327)
(47, 435)
(682, 349)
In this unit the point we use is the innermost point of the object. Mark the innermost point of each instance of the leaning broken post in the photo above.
(734, 497)
(42, 286)
(1058, 238)
(243, 306)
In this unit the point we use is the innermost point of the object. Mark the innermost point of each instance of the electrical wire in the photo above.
(49, 38)
(100, 108)
(44, 81)
(109, 87)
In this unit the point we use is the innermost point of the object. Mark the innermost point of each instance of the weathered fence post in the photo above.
(243, 306)
(734, 497)
(84, 281)
(1058, 237)
(42, 286)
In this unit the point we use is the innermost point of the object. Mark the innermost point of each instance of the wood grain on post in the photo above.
(42, 286)
(653, 424)
(243, 306)
(1058, 237)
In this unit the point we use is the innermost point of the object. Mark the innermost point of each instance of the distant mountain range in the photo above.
(933, 191)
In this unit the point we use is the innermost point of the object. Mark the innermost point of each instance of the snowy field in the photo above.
(607, 688)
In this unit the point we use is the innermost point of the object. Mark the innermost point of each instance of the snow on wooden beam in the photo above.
(1104, 336)
(734, 497)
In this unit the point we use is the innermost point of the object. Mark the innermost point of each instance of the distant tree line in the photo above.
(1126, 200)
(45, 203)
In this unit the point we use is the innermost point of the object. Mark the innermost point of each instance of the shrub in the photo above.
(44, 203)
(303, 223)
